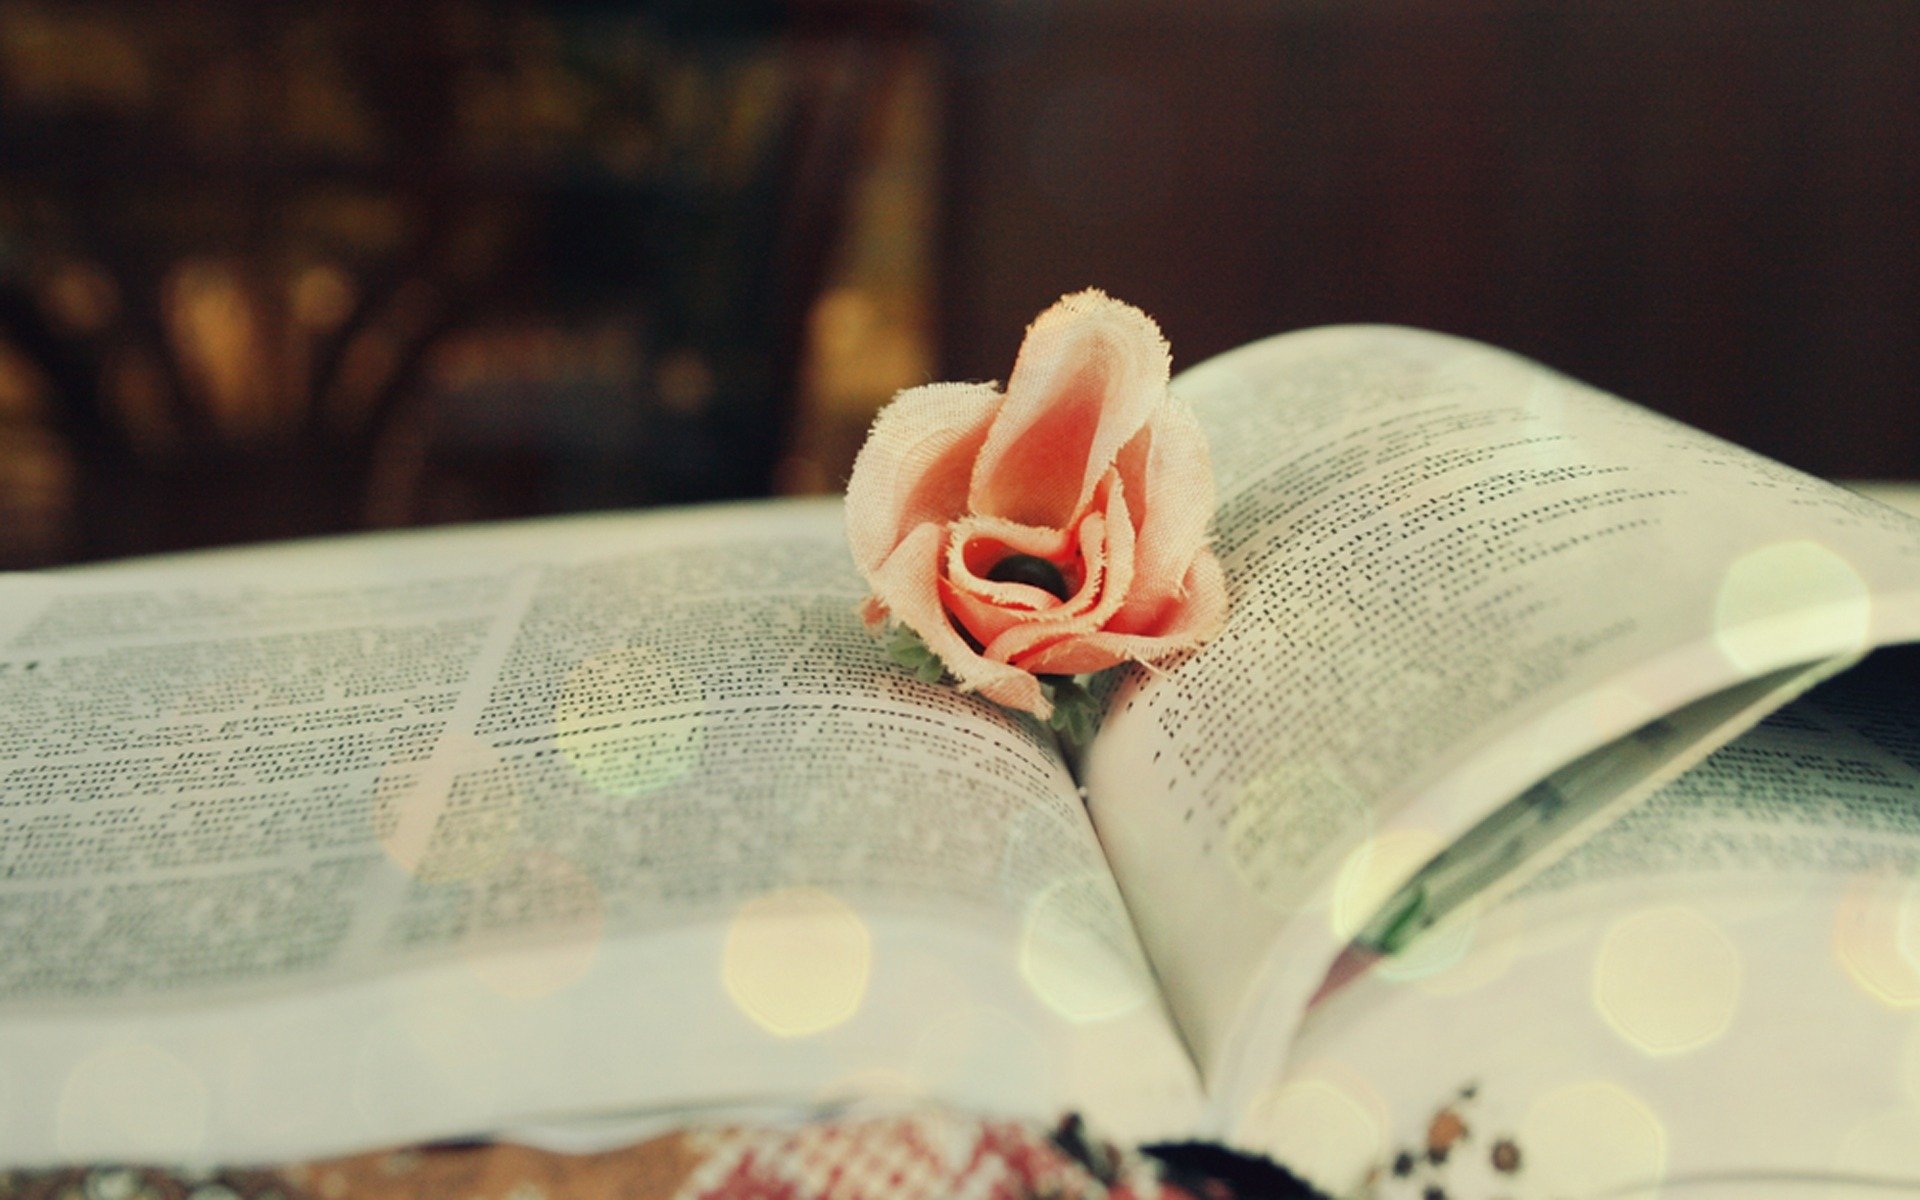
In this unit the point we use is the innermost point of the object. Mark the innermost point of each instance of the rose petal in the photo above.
(989, 608)
(1195, 617)
(906, 585)
(1090, 372)
(1054, 545)
(915, 466)
(1167, 465)
(1107, 546)
(984, 619)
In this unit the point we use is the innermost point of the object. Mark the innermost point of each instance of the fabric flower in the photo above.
(1058, 528)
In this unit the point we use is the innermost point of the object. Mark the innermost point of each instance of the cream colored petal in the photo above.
(987, 619)
(908, 585)
(1189, 621)
(1108, 550)
(1090, 373)
(915, 466)
(1050, 544)
(989, 608)
(1170, 477)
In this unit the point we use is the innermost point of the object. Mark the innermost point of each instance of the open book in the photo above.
(565, 824)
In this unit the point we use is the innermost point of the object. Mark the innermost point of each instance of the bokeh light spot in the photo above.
(1431, 953)
(797, 961)
(131, 1102)
(1497, 937)
(1326, 1126)
(322, 296)
(1789, 602)
(1591, 1138)
(1064, 958)
(1873, 929)
(615, 752)
(1667, 980)
(1373, 871)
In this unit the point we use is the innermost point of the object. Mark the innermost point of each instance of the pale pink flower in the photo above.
(1086, 461)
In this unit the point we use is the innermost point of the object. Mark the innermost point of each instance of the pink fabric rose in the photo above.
(1087, 464)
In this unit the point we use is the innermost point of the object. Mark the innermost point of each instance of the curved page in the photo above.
(315, 848)
(1716, 991)
(1453, 573)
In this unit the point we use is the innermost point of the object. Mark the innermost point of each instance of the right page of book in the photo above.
(1453, 574)
(1718, 989)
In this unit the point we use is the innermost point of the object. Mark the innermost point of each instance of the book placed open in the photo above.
(576, 825)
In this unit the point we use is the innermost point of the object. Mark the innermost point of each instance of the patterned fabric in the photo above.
(923, 1156)
(909, 1158)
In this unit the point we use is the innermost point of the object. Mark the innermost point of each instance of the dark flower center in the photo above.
(1033, 571)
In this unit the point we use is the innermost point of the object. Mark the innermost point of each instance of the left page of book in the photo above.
(366, 842)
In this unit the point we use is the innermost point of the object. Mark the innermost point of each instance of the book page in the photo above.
(1721, 987)
(634, 807)
(1453, 573)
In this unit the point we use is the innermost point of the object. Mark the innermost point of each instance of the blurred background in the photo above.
(281, 269)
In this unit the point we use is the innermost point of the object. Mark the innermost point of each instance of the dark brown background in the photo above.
(1711, 206)
(275, 270)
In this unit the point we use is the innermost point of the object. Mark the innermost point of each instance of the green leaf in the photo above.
(1075, 711)
(905, 647)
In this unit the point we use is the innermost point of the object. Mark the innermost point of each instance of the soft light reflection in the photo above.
(435, 1045)
(1327, 1126)
(619, 755)
(1496, 939)
(1873, 932)
(1787, 602)
(1373, 871)
(278, 1082)
(1432, 953)
(981, 1051)
(797, 961)
(1885, 1146)
(454, 816)
(1288, 818)
(1546, 394)
(454, 1030)
(132, 1101)
(871, 1088)
(1906, 930)
(82, 297)
(322, 296)
(1591, 1138)
(545, 893)
(1066, 962)
(219, 334)
(1667, 980)
(1910, 1064)
(1611, 708)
